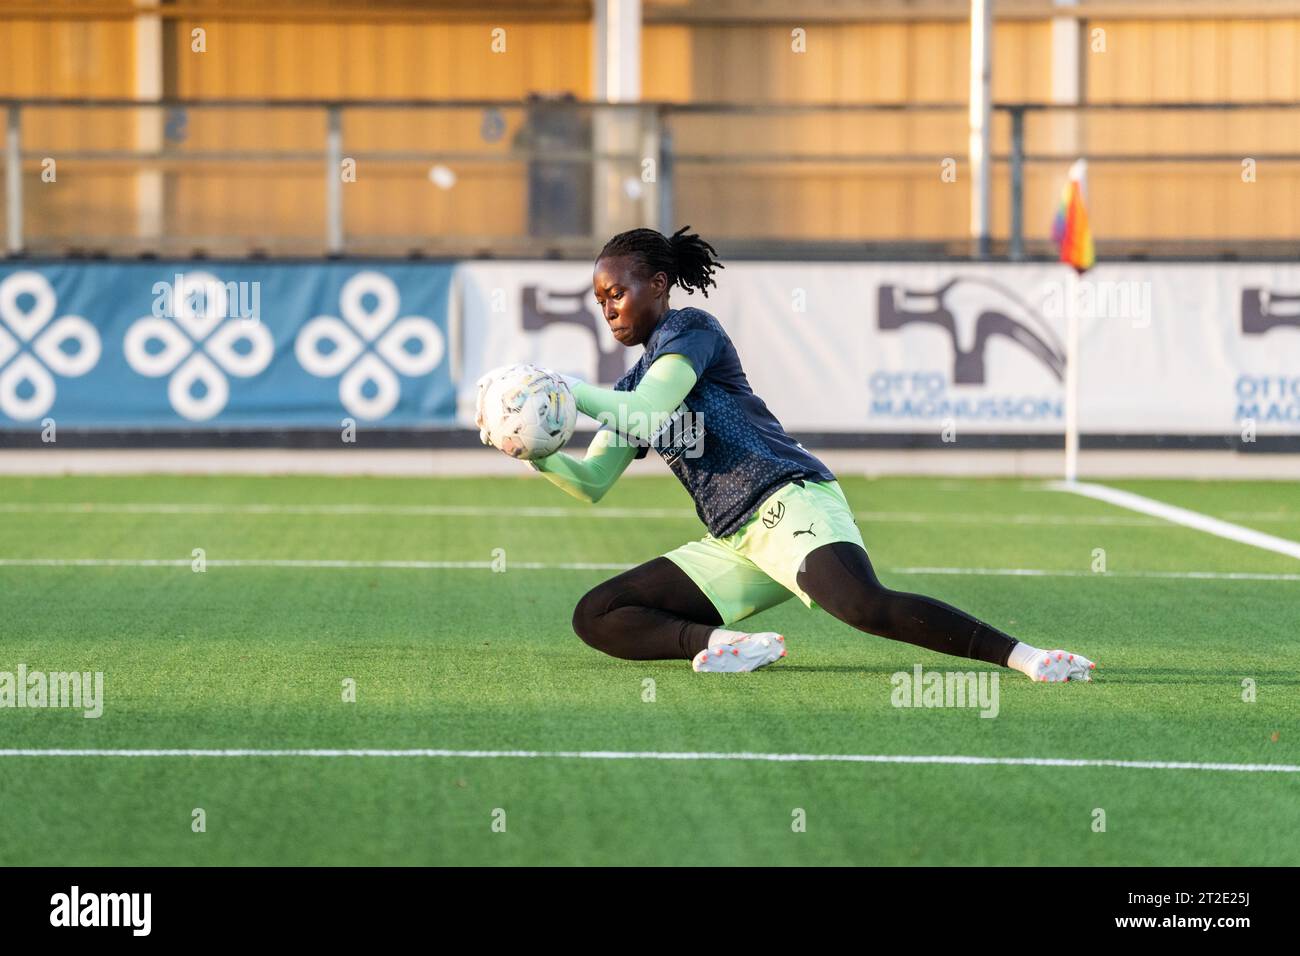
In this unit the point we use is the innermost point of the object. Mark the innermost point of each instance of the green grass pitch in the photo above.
(468, 658)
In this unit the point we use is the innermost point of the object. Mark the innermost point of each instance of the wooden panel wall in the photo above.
(888, 62)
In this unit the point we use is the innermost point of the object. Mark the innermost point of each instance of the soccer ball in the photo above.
(527, 412)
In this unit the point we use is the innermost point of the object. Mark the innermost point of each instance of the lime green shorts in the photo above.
(755, 568)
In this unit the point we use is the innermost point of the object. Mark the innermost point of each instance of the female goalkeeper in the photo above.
(779, 525)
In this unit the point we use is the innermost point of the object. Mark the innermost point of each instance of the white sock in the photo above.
(1023, 657)
(721, 635)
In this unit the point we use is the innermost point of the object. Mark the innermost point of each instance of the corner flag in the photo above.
(1070, 227)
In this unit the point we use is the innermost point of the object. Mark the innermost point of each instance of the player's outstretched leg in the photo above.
(839, 577)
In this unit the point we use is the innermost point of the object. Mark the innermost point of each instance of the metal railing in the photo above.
(546, 177)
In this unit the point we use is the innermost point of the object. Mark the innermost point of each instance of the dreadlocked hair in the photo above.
(688, 260)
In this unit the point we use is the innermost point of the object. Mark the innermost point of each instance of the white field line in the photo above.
(325, 563)
(951, 759)
(1182, 516)
(489, 511)
(306, 563)
(1065, 573)
(338, 510)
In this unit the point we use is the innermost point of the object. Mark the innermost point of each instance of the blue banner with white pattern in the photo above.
(230, 345)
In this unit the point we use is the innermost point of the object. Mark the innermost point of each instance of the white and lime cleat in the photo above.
(1060, 666)
(746, 654)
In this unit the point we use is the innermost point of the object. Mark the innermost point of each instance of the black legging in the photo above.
(655, 612)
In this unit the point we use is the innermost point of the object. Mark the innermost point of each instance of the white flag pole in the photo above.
(1078, 174)
(1072, 378)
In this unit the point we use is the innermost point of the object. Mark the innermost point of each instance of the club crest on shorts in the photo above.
(774, 515)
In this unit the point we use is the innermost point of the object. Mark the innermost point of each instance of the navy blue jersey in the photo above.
(731, 453)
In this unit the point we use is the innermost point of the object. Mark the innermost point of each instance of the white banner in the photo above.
(538, 312)
(916, 348)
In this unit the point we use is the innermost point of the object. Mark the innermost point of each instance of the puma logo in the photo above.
(774, 515)
(809, 531)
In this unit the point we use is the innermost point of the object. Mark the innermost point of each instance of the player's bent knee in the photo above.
(584, 617)
(589, 623)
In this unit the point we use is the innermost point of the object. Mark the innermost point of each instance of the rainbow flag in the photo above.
(1070, 228)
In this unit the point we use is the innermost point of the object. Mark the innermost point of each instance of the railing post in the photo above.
(334, 181)
(13, 181)
(648, 198)
(1017, 183)
(981, 82)
(666, 225)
